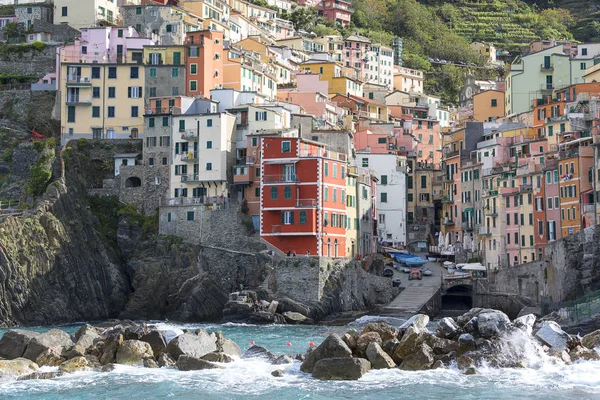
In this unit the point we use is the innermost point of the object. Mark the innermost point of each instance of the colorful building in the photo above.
(204, 62)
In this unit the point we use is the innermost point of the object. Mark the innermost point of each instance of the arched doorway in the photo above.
(133, 181)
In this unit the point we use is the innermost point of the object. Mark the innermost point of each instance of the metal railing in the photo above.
(79, 79)
(202, 200)
(306, 203)
(190, 178)
(279, 178)
(575, 310)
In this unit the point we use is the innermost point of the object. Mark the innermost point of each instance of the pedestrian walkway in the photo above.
(410, 300)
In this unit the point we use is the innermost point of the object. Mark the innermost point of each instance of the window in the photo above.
(64, 11)
(287, 218)
(302, 217)
(285, 146)
(151, 122)
(494, 103)
(382, 140)
(165, 121)
(190, 215)
(384, 179)
(423, 182)
(134, 72)
(274, 194)
(582, 66)
(287, 192)
(209, 122)
(96, 112)
(165, 161)
(169, 28)
(152, 92)
(193, 69)
(254, 142)
(71, 114)
(260, 115)
(209, 166)
(209, 144)
(112, 72)
(365, 162)
(152, 72)
(134, 92)
(120, 33)
(134, 111)
(326, 194)
(193, 86)
(384, 197)
(95, 72)
(111, 112)
(112, 92)
(335, 170)
(96, 92)
(138, 10)
(174, 72)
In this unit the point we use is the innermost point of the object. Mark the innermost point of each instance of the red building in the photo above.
(336, 10)
(204, 62)
(302, 197)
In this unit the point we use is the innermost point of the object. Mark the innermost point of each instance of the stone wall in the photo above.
(164, 82)
(31, 62)
(32, 109)
(155, 185)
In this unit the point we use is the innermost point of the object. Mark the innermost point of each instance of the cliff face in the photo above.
(54, 267)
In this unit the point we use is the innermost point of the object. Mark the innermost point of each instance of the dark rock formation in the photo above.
(342, 368)
(332, 347)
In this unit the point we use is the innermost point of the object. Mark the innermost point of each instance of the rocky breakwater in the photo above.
(480, 337)
(100, 348)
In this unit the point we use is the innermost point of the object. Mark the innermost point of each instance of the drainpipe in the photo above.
(595, 178)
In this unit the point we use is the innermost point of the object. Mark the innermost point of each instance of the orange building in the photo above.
(302, 197)
(204, 62)
(488, 105)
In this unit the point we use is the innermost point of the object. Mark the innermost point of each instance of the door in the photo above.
(289, 173)
(176, 58)
(335, 248)
(110, 133)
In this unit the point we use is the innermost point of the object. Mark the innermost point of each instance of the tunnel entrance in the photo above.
(458, 298)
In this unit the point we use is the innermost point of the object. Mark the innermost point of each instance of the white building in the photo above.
(84, 14)
(391, 188)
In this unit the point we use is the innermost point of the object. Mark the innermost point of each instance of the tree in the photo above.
(12, 30)
(304, 18)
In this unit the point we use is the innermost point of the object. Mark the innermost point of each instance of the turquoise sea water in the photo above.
(251, 379)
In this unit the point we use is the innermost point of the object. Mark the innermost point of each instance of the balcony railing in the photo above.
(189, 136)
(189, 157)
(491, 212)
(78, 100)
(448, 221)
(163, 110)
(190, 201)
(190, 178)
(484, 231)
(79, 81)
(526, 188)
(288, 178)
(544, 67)
(309, 203)
(589, 208)
(547, 86)
(467, 226)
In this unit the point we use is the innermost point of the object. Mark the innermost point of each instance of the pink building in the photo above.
(356, 52)
(283, 29)
(336, 10)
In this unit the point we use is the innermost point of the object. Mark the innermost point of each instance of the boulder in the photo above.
(525, 323)
(349, 340)
(471, 371)
(74, 365)
(464, 362)
(156, 340)
(190, 363)
(14, 343)
(51, 357)
(217, 356)
(282, 360)
(259, 352)
(164, 360)
(389, 346)
(75, 351)
(52, 338)
(411, 339)
(420, 359)
(385, 330)
(471, 326)
(583, 353)
(10, 369)
(86, 336)
(441, 346)
(551, 334)
(363, 342)
(437, 364)
(150, 363)
(418, 321)
(466, 343)
(341, 368)
(561, 355)
(492, 323)
(294, 317)
(591, 340)
(466, 317)
(278, 373)
(265, 317)
(40, 375)
(273, 307)
(133, 352)
(227, 346)
(194, 345)
(332, 347)
(111, 345)
(447, 328)
(379, 359)
(108, 367)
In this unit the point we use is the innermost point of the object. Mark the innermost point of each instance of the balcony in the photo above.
(74, 100)
(526, 188)
(292, 230)
(79, 81)
(307, 203)
(190, 178)
(288, 178)
(589, 208)
(189, 157)
(490, 193)
(218, 201)
(546, 67)
(485, 231)
(189, 136)
(491, 213)
(447, 199)
(547, 87)
(162, 110)
(467, 226)
(241, 175)
(448, 221)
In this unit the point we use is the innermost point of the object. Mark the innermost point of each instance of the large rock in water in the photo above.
(341, 368)
(14, 343)
(365, 340)
(75, 364)
(419, 321)
(332, 347)
(411, 339)
(379, 359)
(52, 338)
(133, 352)
(447, 328)
(259, 352)
(525, 323)
(591, 340)
(190, 363)
(385, 330)
(227, 346)
(156, 340)
(11, 369)
(492, 323)
(421, 358)
(552, 335)
(86, 336)
(51, 357)
(192, 344)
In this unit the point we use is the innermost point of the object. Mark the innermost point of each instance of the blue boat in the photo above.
(409, 259)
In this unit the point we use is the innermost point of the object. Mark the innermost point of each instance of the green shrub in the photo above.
(38, 45)
(83, 144)
(38, 180)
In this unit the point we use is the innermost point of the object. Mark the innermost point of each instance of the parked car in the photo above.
(388, 272)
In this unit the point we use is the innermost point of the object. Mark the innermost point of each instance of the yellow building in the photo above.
(335, 75)
(487, 50)
(102, 101)
(592, 74)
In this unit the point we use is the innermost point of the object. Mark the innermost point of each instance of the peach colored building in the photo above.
(488, 105)
(204, 62)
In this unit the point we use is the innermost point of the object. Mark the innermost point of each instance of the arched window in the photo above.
(133, 181)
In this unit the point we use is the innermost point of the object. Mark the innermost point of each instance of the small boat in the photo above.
(427, 272)
(392, 251)
(410, 259)
(448, 264)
